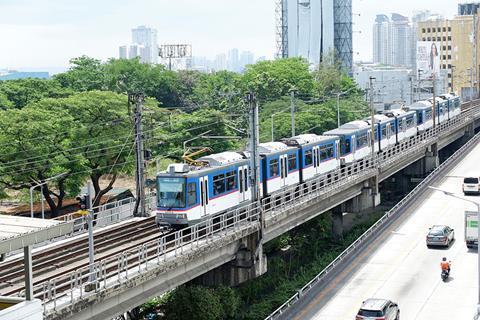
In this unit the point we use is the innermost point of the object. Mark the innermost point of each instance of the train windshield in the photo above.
(171, 192)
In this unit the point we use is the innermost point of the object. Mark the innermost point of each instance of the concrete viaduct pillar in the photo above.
(249, 263)
(431, 158)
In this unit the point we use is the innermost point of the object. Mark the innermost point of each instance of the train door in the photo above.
(204, 195)
(316, 159)
(283, 169)
(243, 183)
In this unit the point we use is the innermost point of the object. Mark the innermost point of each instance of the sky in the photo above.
(45, 34)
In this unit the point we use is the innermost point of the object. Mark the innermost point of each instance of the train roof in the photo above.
(446, 96)
(420, 105)
(272, 147)
(356, 124)
(379, 118)
(223, 158)
(396, 112)
(304, 139)
(342, 131)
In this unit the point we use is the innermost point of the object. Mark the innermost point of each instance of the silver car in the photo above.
(373, 309)
(440, 235)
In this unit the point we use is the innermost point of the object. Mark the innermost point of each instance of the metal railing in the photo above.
(67, 289)
(110, 272)
(376, 228)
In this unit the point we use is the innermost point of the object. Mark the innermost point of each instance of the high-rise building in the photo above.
(453, 39)
(315, 30)
(122, 52)
(246, 57)
(220, 62)
(382, 40)
(393, 41)
(233, 60)
(144, 45)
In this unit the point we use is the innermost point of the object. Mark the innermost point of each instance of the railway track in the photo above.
(67, 257)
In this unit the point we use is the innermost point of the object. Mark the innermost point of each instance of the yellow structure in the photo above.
(454, 38)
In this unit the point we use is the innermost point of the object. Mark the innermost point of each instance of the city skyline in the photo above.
(70, 30)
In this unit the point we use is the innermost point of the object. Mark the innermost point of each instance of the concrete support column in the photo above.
(369, 198)
(27, 261)
(431, 158)
(249, 263)
(337, 223)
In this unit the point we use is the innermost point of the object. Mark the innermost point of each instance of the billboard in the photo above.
(428, 58)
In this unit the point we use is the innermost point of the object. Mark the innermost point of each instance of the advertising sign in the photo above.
(428, 58)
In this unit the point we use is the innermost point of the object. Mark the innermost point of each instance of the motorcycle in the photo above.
(444, 275)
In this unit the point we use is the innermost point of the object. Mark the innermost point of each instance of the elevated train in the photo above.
(187, 194)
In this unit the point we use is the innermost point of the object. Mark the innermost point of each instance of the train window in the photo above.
(410, 122)
(171, 192)
(330, 151)
(218, 184)
(192, 193)
(292, 162)
(323, 153)
(274, 168)
(362, 140)
(428, 115)
(348, 147)
(308, 158)
(231, 180)
(384, 132)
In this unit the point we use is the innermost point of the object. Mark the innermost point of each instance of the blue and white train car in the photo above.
(424, 114)
(186, 194)
(318, 154)
(279, 167)
(405, 123)
(385, 130)
(441, 109)
(453, 103)
(354, 141)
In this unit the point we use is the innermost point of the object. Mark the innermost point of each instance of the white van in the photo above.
(471, 185)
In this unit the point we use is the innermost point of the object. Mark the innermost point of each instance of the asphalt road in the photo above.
(399, 266)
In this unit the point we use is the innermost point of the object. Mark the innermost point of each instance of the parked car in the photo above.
(471, 185)
(440, 235)
(378, 309)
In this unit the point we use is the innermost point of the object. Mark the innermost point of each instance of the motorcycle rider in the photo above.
(445, 265)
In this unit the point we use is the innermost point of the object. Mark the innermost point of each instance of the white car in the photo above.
(471, 185)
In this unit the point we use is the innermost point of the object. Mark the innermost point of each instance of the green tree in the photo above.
(85, 74)
(102, 134)
(222, 90)
(193, 302)
(271, 80)
(24, 91)
(4, 102)
(35, 145)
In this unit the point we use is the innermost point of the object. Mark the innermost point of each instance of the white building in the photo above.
(123, 52)
(310, 31)
(220, 62)
(394, 41)
(246, 58)
(233, 60)
(394, 86)
(144, 45)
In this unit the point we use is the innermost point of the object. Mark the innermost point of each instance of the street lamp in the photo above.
(338, 103)
(41, 184)
(453, 195)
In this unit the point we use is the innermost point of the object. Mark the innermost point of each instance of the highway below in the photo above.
(398, 265)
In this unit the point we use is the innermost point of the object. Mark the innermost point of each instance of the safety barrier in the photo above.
(377, 228)
(67, 289)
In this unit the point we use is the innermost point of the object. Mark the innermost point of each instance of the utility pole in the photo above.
(418, 84)
(411, 89)
(471, 87)
(372, 117)
(434, 103)
(475, 62)
(90, 217)
(338, 109)
(292, 111)
(451, 71)
(253, 146)
(140, 210)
